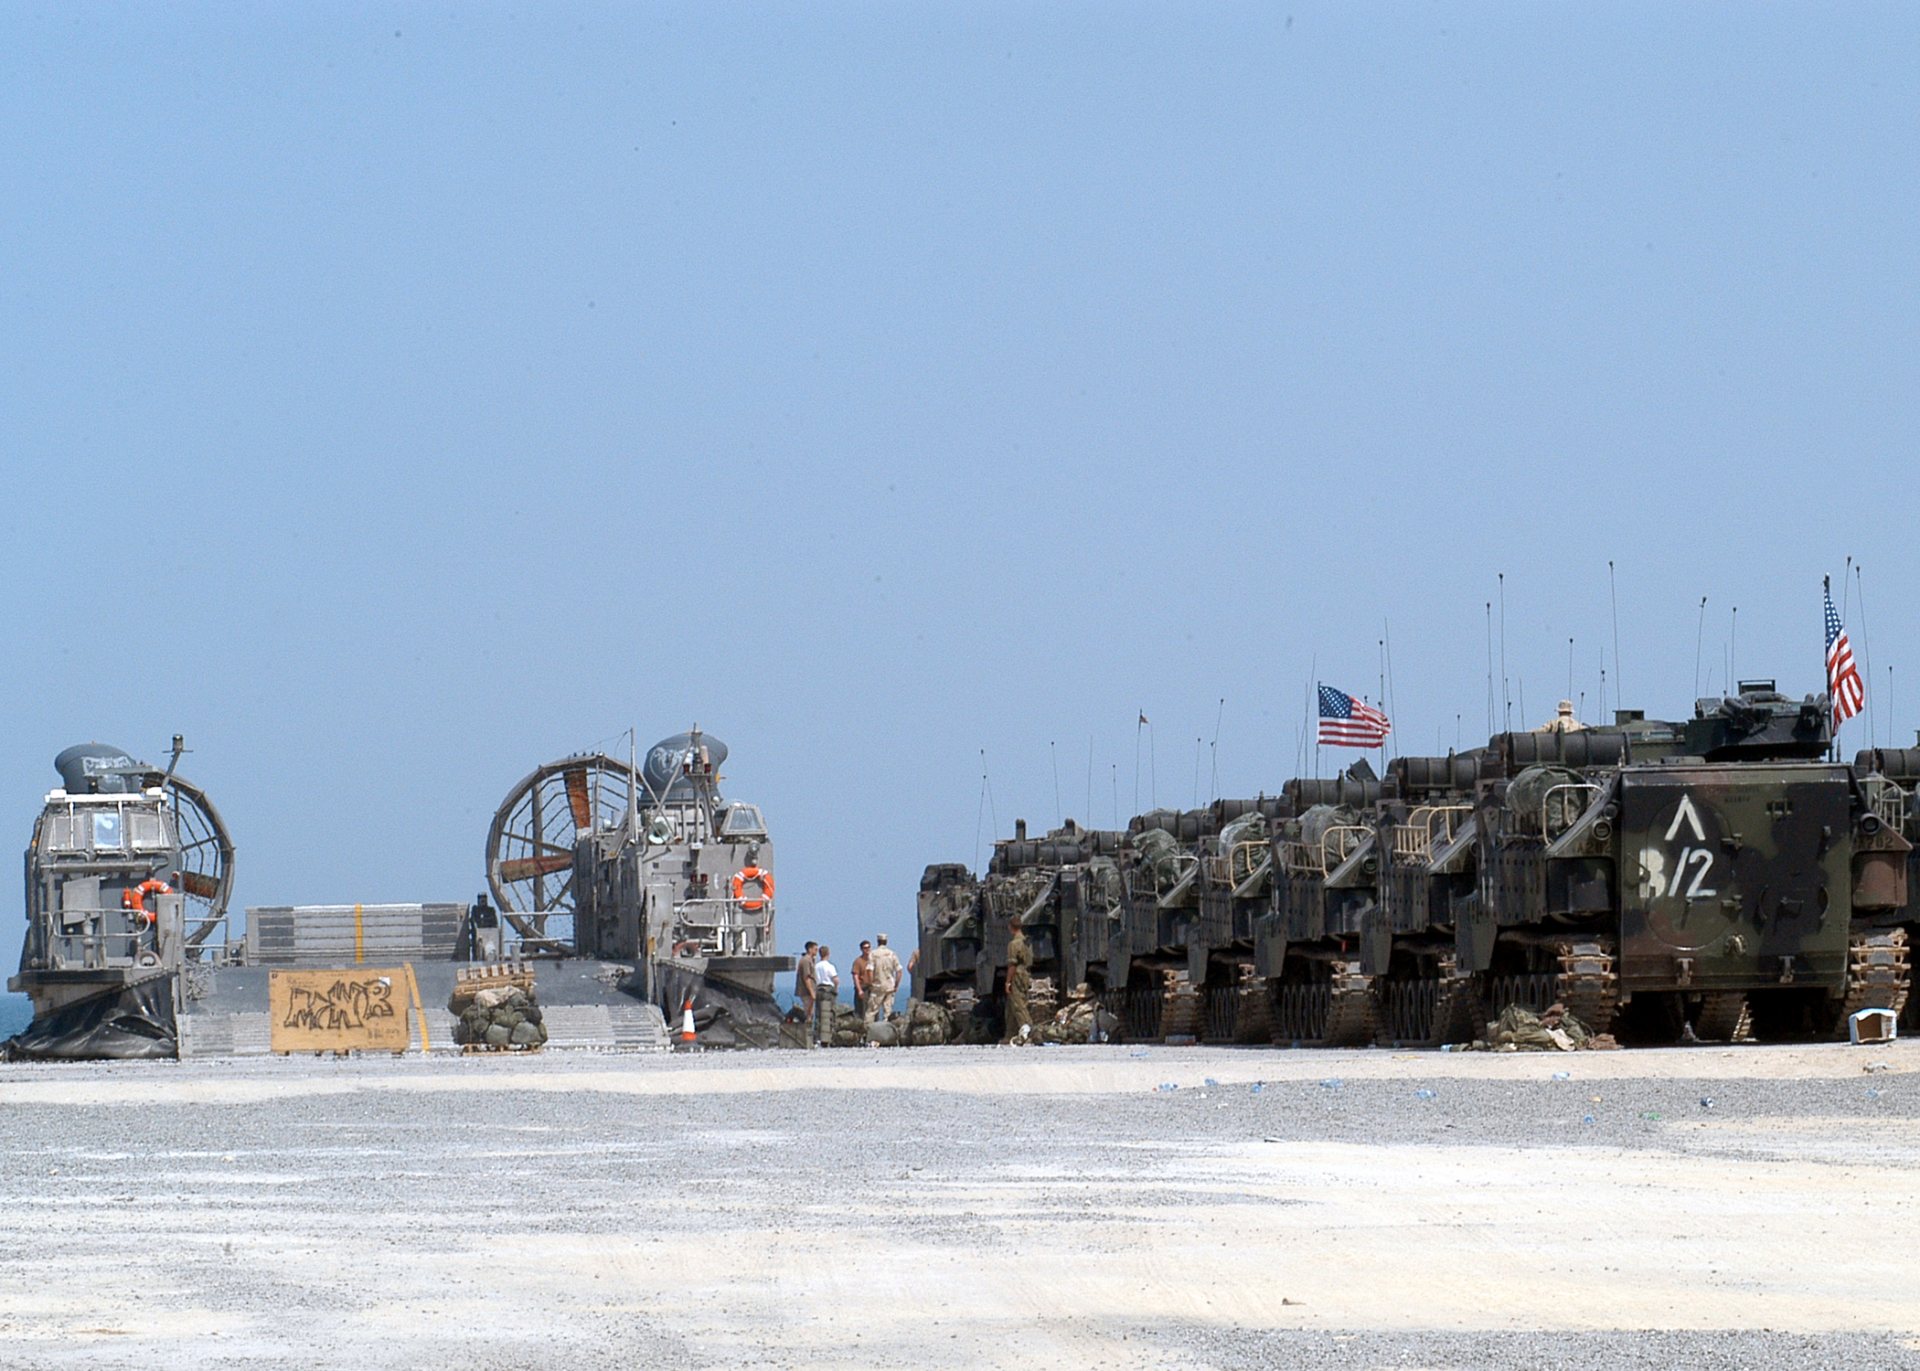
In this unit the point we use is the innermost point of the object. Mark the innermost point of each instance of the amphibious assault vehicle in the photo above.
(1707, 877)
(1063, 889)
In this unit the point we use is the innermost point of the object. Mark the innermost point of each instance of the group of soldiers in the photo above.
(877, 974)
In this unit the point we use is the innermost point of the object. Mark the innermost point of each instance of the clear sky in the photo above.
(397, 397)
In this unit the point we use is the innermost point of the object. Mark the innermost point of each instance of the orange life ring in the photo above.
(763, 878)
(135, 901)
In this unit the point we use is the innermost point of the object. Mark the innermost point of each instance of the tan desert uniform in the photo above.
(883, 982)
(1019, 983)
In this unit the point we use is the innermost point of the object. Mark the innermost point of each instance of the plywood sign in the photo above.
(361, 1008)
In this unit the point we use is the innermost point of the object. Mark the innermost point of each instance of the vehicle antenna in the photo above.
(1089, 780)
(1699, 635)
(1506, 698)
(1393, 710)
(1613, 596)
(1866, 664)
(1153, 767)
(1489, 668)
(1136, 759)
(980, 812)
(1053, 755)
(1383, 698)
(1218, 715)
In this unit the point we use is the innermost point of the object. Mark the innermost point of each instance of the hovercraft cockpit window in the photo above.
(149, 834)
(107, 830)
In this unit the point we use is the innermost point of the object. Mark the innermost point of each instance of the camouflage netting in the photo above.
(1317, 821)
(1159, 854)
(499, 1017)
(1248, 828)
(1534, 794)
(1522, 1030)
(1079, 1020)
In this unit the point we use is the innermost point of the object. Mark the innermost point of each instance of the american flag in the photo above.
(1848, 691)
(1347, 722)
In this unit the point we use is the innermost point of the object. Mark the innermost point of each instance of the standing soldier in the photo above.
(863, 978)
(803, 984)
(883, 981)
(1019, 984)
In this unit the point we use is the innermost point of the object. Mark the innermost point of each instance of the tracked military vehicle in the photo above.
(128, 874)
(1323, 883)
(1887, 862)
(1425, 840)
(1711, 875)
(1650, 875)
(1147, 986)
(1063, 890)
(952, 934)
(1231, 885)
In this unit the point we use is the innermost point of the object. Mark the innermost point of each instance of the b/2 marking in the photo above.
(1702, 862)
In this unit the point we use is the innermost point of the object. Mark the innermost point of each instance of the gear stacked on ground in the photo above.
(1082, 1019)
(497, 1012)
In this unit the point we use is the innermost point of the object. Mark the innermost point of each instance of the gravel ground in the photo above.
(961, 1207)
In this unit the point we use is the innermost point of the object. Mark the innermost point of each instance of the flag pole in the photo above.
(1833, 729)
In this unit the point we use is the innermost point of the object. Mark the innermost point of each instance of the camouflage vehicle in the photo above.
(1231, 891)
(1147, 983)
(1323, 883)
(1063, 890)
(1886, 882)
(951, 931)
(1650, 875)
(1425, 840)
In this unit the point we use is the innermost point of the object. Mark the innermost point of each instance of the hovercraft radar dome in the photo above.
(96, 769)
(664, 771)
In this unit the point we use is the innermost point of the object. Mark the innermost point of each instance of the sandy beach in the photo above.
(966, 1207)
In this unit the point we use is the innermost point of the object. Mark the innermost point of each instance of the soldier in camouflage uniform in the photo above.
(883, 982)
(1019, 985)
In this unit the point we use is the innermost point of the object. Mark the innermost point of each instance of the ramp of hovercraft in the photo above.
(224, 1009)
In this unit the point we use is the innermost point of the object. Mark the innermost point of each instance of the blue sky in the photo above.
(396, 397)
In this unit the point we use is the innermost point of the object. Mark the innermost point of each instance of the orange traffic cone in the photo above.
(686, 1021)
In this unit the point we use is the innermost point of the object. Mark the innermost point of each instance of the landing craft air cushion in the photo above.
(625, 893)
